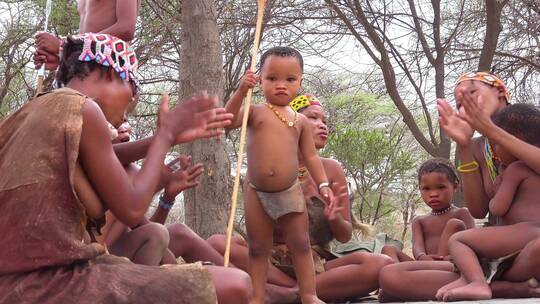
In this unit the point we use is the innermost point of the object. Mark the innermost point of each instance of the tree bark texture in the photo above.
(206, 206)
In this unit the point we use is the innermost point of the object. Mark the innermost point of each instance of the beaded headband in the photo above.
(303, 101)
(109, 51)
(486, 78)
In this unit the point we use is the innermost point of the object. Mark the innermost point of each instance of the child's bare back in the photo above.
(516, 199)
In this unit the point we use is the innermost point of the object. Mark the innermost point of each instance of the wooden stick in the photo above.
(41, 71)
(247, 103)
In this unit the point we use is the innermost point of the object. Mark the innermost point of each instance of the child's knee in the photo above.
(217, 241)
(389, 280)
(534, 248)
(456, 238)
(240, 288)
(232, 285)
(157, 234)
(259, 249)
(380, 260)
(389, 249)
(299, 245)
(180, 232)
(455, 225)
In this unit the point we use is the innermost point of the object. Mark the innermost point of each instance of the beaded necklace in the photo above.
(488, 155)
(285, 121)
(443, 211)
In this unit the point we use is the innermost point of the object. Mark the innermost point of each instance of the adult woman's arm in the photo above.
(113, 185)
(479, 119)
(339, 218)
(461, 133)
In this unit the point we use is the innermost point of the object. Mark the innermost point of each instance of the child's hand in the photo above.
(192, 119)
(333, 211)
(47, 42)
(248, 81)
(184, 177)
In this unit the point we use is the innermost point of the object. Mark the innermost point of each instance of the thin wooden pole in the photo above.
(41, 71)
(247, 103)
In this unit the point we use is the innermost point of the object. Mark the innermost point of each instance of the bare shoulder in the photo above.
(518, 171)
(419, 219)
(518, 167)
(331, 163)
(256, 110)
(93, 117)
(90, 108)
(462, 212)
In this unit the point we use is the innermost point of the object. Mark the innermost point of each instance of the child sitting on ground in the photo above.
(276, 134)
(437, 181)
(515, 202)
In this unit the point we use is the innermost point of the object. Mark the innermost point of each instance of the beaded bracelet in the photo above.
(164, 204)
(468, 167)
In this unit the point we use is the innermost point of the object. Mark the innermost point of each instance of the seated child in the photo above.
(276, 134)
(437, 181)
(515, 202)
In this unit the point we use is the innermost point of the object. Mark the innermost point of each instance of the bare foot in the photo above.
(534, 288)
(311, 299)
(471, 291)
(454, 284)
(279, 294)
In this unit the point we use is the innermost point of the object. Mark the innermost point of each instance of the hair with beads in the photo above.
(70, 65)
(439, 165)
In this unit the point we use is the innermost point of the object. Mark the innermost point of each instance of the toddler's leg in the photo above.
(259, 228)
(295, 227)
(240, 257)
(489, 242)
(452, 226)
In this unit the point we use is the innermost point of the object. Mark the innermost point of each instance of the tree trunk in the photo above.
(493, 29)
(207, 206)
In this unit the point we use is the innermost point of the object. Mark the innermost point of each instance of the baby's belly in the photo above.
(272, 178)
(272, 165)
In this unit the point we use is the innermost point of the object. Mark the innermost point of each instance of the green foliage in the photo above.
(376, 151)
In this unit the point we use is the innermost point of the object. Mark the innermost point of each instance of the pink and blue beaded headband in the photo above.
(109, 51)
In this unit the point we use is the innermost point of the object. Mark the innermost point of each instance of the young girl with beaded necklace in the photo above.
(437, 181)
(276, 134)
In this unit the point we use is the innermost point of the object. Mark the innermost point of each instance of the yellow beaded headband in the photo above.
(303, 101)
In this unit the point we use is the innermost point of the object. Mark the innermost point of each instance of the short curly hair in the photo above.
(440, 165)
(282, 51)
(521, 120)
